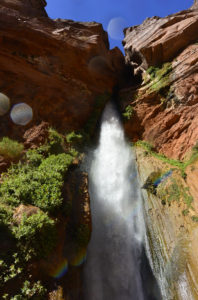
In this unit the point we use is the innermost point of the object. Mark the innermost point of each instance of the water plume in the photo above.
(112, 269)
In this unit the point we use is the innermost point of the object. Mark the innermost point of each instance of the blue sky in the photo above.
(129, 12)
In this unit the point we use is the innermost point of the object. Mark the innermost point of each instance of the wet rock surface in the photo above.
(171, 235)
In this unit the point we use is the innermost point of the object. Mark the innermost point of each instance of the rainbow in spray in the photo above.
(162, 178)
(61, 269)
(80, 258)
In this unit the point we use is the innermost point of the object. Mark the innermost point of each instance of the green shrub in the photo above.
(185, 212)
(129, 110)
(160, 77)
(40, 186)
(37, 181)
(30, 290)
(73, 137)
(5, 214)
(152, 71)
(10, 149)
(36, 234)
(56, 163)
(35, 289)
(174, 191)
(56, 142)
(11, 267)
(194, 219)
(34, 158)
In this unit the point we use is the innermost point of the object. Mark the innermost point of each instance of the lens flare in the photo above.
(21, 114)
(115, 28)
(61, 269)
(4, 104)
(98, 64)
(79, 258)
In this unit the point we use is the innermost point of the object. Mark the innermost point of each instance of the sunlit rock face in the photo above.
(165, 108)
(172, 237)
(165, 113)
(158, 40)
(57, 67)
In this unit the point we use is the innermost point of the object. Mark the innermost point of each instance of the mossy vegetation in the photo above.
(10, 149)
(181, 165)
(172, 189)
(194, 219)
(128, 113)
(157, 79)
(36, 181)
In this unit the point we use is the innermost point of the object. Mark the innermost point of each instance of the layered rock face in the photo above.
(165, 106)
(30, 8)
(159, 40)
(171, 237)
(58, 67)
(163, 111)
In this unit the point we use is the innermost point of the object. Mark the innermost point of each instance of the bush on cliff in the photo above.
(36, 185)
(56, 142)
(10, 149)
(36, 182)
(35, 234)
(159, 78)
(129, 110)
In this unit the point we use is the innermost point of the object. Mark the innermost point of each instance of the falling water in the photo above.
(112, 269)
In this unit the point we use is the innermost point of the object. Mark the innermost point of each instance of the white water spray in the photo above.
(112, 269)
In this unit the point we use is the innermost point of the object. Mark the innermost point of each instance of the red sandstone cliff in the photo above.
(165, 105)
(58, 67)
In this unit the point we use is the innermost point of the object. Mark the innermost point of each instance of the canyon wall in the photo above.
(65, 71)
(161, 116)
(58, 67)
(164, 51)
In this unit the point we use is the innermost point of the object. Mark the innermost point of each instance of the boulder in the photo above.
(22, 209)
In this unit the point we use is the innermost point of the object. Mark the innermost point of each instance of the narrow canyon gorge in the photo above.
(98, 158)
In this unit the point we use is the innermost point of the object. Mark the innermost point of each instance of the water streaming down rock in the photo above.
(113, 266)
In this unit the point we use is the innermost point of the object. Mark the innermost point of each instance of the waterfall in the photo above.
(113, 265)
